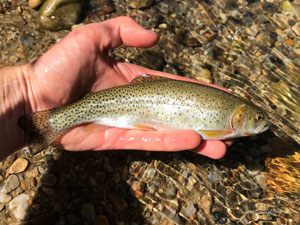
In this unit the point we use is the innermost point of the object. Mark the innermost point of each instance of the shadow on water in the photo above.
(79, 187)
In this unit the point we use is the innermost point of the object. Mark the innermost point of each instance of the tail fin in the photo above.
(40, 132)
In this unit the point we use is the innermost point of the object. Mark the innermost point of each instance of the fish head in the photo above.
(249, 120)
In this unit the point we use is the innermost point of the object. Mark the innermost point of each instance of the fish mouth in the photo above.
(259, 130)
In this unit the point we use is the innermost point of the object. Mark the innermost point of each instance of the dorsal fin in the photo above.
(145, 77)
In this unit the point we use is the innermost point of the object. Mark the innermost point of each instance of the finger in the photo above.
(211, 149)
(131, 71)
(114, 138)
(154, 140)
(115, 32)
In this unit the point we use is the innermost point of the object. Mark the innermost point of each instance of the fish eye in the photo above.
(259, 116)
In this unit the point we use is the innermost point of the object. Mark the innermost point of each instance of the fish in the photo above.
(151, 102)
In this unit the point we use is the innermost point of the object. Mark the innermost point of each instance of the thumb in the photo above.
(115, 32)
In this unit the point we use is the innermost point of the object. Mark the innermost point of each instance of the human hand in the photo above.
(80, 64)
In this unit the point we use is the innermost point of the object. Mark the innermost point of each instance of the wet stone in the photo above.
(205, 203)
(88, 212)
(137, 189)
(100, 176)
(19, 205)
(1, 207)
(48, 179)
(58, 15)
(189, 211)
(101, 220)
(11, 184)
(119, 204)
(18, 166)
(5, 197)
(34, 3)
(139, 4)
(171, 192)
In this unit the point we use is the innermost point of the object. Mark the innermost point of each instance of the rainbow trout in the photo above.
(151, 102)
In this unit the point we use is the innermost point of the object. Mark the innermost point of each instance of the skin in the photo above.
(80, 64)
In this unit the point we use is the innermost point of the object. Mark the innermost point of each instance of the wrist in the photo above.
(14, 103)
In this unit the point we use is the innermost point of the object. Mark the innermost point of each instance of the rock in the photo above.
(57, 15)
(137, 189)
(5, 197)
(140, 4)
(163, 26)
(48, 179)
(48, 190)
(11, 184)
(9, 160)
(296, 28)
(12, 19)
(34, 3)
(92, 182)
(88, 212)
(18, 166)
(119, 204)
(291, 8)
(32, 172)
(27, 41)
(192, 39)
(171, 192)
(1, 206)
(101, 220)
(19, 205)
(189, 210)
(45, 219)
(205, 203)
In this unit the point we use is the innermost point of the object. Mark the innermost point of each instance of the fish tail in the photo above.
(37, 125)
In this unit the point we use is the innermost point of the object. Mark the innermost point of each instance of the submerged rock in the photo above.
(57, 15)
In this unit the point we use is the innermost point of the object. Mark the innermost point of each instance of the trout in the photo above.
(151, 102)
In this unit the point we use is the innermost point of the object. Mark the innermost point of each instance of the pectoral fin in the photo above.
(143, 127)
(216, 134)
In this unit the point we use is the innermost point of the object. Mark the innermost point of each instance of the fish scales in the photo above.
(151, 102)
(173, 104)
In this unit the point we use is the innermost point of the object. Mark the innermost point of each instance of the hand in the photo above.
(80, 64)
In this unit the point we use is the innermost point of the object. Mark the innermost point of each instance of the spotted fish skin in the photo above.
(156, 102)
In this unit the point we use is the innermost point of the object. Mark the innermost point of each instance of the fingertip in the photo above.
(211, 149)
(134, 35)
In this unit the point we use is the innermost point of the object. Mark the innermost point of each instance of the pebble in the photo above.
(34, 3)
(8, 161)
(189, 210)
(5, 197)
(139, 4)
(163, 26)
(19, 205)
(1, 206)
(19, 165)
(100, 176)
(48, 179)
(101, 220)
(205, 203)
(33, 172)
(88, 212)
(137, 189)
(11, 184)
(171, 192)
(119, 204)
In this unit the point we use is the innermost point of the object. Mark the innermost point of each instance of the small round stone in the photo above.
(18, 166)
(34, 3)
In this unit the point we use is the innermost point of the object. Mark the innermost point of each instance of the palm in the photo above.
(79, 64)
